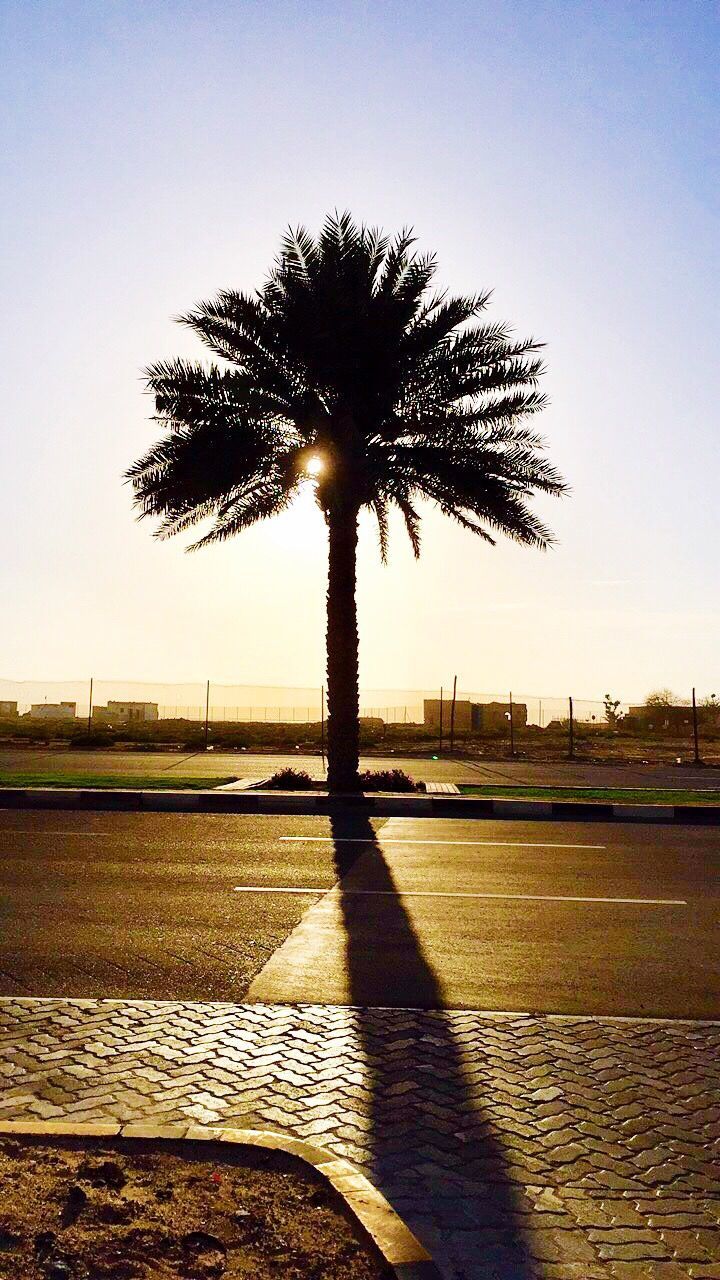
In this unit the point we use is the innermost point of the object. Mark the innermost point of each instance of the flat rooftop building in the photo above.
(125, 712)
(473, 717)
(670, 719)
(53, 711)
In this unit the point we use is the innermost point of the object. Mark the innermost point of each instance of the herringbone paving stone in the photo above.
(515, 1146)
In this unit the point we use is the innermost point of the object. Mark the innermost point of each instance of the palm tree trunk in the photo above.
(342, 652)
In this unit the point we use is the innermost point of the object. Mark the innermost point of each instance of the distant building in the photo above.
(474, 717)
(53, 711)
(671, 719)
(8, 710)
(125, 713)
(464, 719)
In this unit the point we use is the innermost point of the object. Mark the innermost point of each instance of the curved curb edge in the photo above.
(395, 1241)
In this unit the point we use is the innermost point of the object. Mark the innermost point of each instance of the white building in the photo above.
(53, 711)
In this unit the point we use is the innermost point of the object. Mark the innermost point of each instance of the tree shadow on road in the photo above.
(433, 1153)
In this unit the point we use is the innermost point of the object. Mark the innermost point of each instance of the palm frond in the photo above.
(260, 501)
(379, 506)
(412, 521)
(298, 250)
(397, 260)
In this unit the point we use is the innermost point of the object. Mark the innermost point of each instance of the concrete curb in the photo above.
(395, 1241)
(381, 806)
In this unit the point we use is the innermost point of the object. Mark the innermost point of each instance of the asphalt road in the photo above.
(554, 917)
(499, 773)
(209, 764)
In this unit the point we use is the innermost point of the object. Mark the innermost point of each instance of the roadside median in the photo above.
(380, 805)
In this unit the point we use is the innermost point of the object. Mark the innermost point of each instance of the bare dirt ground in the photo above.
(131, 1211)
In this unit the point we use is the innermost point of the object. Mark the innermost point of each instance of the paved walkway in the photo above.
(514, 1146)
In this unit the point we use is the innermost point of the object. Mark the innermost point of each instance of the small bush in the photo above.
(90, 741)
(386, 780)
(290, 780)
(232, 741)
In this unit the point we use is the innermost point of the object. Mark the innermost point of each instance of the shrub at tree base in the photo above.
(371, 780)
(290, 780)
(386, 780)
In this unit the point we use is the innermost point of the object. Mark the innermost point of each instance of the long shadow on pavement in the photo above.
(433, 1154)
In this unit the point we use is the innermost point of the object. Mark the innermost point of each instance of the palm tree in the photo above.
(347, 371)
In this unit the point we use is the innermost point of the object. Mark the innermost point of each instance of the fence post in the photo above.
(441, 722)
(90, 708)
(452, 716)
(571, 743)
(696, 737)
(207, 714)
(512, 727)
(322, 726)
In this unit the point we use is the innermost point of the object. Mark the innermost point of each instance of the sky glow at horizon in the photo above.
(563, 154)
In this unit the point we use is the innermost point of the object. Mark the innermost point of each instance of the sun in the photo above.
(314, 465)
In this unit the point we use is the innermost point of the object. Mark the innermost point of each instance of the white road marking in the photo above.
(269, 888)
(432, 893)
(28, 831)
(492, 844)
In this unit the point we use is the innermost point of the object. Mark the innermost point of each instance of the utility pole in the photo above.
(571, 744)
(512, 728)
(441, 722)
(207, 714)
(90, 707)
(452, 716)
(696, 736)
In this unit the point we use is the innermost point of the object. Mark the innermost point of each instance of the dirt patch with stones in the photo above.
(72, 1210)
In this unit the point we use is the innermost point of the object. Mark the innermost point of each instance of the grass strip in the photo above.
(611, 795)
(125, 782)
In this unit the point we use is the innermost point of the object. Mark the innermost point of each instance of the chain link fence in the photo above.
(507, 724)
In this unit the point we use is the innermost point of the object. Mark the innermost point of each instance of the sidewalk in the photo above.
(514, 1146)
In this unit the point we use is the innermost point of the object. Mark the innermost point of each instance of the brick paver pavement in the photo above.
(515, 1146)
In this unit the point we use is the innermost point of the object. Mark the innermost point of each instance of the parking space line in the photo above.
(433, 893)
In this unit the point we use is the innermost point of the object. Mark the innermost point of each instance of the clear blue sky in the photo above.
(565, 154)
